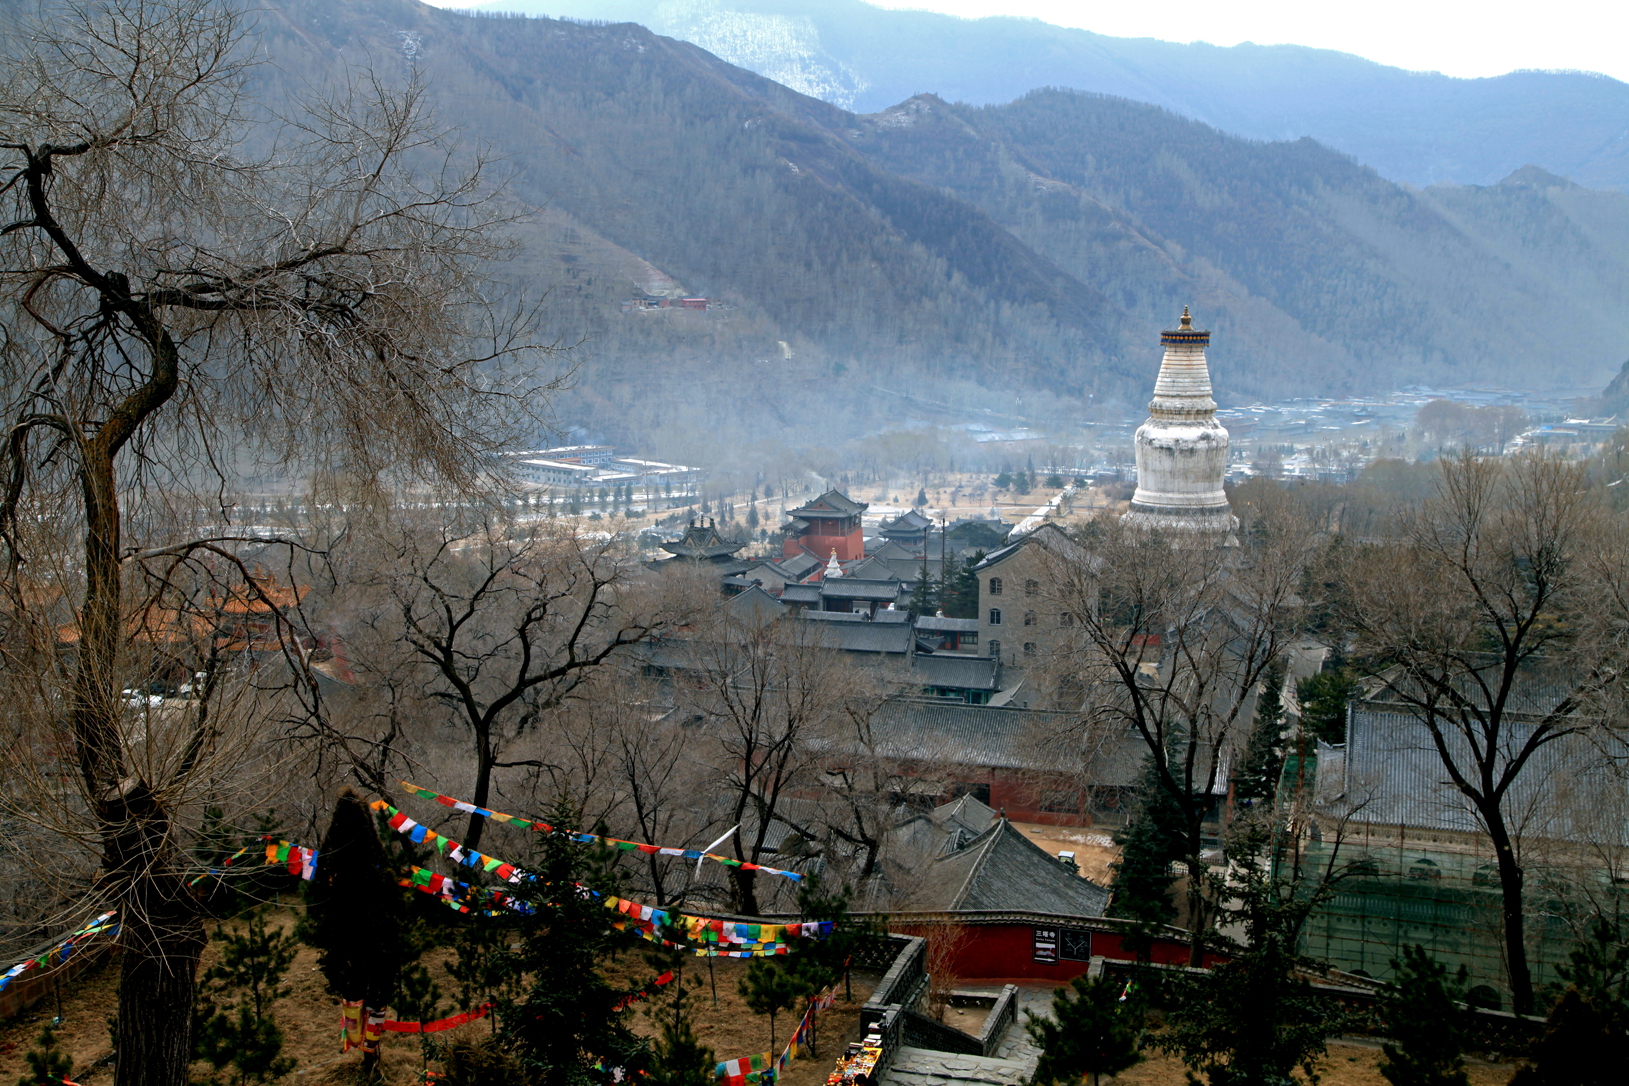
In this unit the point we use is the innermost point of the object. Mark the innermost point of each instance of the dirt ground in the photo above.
(309, 1018)
(1345, 1065)
(1093, 848)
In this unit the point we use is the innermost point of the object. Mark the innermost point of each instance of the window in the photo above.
(995, 586)
(1029, 648)
(1029, 618)
(995, 616)
(995, 650)
(1032, 587)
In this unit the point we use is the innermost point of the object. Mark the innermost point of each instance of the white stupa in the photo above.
(1182, 449)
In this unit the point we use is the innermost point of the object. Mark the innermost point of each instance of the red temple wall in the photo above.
(849, 548)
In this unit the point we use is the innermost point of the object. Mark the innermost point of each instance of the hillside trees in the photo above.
(168, 298)
(1497, 615)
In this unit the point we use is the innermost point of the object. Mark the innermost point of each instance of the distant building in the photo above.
(1020, 620)
(829, 523)
(702, 545)
(595, 466)
(1182, 449)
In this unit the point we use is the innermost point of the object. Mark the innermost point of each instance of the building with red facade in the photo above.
(829, 523)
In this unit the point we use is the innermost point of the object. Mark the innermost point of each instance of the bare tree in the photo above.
(1171, 637)
(506, 622)
(765, 690)
(1499, 616)
(163, 291)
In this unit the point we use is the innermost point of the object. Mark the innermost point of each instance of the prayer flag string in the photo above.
(62, 950)
(614, 842)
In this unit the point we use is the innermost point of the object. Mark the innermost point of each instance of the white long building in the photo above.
(1182, 449)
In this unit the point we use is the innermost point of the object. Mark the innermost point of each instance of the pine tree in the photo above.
(1095, 1033)
(235, 1023)
(355, 914)
(921, 497)
(681, 1060)
(770, 987)
(47, 1064)
(924, 597)
(1149, 844)
(560, 1016)
(1424, 1022)
(1579, 1048)
(418, 999)
(1257, 782)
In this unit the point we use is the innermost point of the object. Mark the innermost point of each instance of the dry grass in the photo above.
(1345, 1065)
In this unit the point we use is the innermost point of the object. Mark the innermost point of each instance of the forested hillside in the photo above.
(965, 256)
(1418, 127)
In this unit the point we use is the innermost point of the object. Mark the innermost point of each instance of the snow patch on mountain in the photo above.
(783, 48)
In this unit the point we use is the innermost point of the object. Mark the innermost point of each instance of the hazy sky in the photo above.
(1452, 36)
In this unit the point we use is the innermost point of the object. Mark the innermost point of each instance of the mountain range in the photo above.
(935, 259)
(1417, 127)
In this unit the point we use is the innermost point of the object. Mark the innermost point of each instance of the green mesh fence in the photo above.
(1441, 896)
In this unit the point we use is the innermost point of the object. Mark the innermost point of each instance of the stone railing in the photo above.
(1003, 1014)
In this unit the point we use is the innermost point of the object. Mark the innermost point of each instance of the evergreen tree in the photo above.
(681, 1060)
(773, 986)
(1252, 1021)
(418, 999)
(921, 497)
(959, 593)
(1003, 481)
(1055, 481)
(1094, 1033)
(235, 1025)
(559, 1017)
(355, 914)
(47, 1064)
(1423, 1019)
(925, 596)
(1149, 844)
(1257, 783)
(1582, 1045)
(1579, 1048)
(1323, 699)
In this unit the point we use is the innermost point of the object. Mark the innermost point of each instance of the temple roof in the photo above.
(832, 503)
(1002, 870)
(702, 542)
(908, 521)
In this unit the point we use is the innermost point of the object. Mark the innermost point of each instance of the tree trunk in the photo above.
(483, 789)
(1511, 881)
(1196, 911)
(162, 938)
(746, 891)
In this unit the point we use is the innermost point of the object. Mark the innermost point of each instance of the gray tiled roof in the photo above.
(936, 622)
(801, 593)
(853, 588)
(1002, 870)
(873, 569)
(908, 521)
(800, 565)
(960, 672)
(863, 636)
(997, 737)
(832, 503)
(1393, 775)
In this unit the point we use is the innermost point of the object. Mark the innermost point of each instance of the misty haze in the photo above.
(792, 542)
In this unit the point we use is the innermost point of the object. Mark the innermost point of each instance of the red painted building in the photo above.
(829, 523)
(1028, 947)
